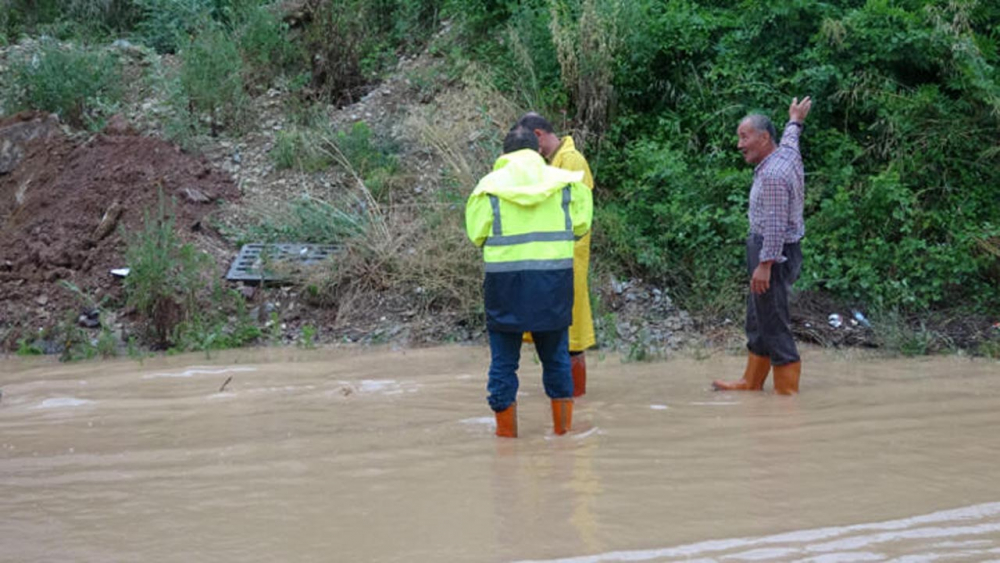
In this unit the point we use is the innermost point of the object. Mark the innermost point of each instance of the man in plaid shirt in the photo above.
(774, 258)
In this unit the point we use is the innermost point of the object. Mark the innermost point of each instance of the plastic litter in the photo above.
(836, 320)
(861, 319)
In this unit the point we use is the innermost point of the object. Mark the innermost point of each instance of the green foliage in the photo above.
(308, 339)
(299, 148)
(263, 41)
(26, 347)
(180, 301)
(353, 41)
(207, 88)
(211, 77)
(80, 84)
(898, 334)
(165, 276)
(165, 23)
(370, 158)
(309, 220)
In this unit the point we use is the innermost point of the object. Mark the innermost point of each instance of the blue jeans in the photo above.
(505, 351)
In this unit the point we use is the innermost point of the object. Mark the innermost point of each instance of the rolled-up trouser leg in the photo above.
(505, 355)
(768, 322)
(553, 351)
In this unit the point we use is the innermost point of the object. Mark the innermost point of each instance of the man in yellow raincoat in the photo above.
(562, 153)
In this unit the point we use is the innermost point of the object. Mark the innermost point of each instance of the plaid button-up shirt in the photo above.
(778, 196)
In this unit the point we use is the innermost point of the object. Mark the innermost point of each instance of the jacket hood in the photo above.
(522, 177)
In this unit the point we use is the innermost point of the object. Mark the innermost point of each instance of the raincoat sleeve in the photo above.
(581, 208)
(478, 218)
(575, 162)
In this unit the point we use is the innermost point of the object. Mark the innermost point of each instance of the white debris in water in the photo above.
(63, 402)
(483, 420)
(659, 407)
(715, 403)
(765, 554)
(377, 386)
(199, 370)
(465, 377)
(587, 434)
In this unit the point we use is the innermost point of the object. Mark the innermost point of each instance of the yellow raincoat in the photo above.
(581, 332)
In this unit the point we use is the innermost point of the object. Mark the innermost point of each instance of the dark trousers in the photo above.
(768, 324)
(505, 351)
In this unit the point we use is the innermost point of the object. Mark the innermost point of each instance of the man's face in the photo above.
(755, 145)
(548, 143)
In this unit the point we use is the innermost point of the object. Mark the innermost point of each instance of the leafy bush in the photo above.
(299, 148)
(165, 24)
(263, 41)
(209, 85)
(353, 41)
(309, 220)
(79, 84)
(165, 277)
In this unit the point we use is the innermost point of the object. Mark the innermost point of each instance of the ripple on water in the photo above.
(199, 370)
(61, 402)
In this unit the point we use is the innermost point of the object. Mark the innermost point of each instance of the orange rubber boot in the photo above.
(753, 377)
(786, 378)
(507, 422)
(579, 366)
(562, 415)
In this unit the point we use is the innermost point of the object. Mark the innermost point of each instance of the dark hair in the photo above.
(520, 138)
(532, 121)
(761, 122)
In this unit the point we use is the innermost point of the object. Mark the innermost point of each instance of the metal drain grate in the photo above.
(280, 259)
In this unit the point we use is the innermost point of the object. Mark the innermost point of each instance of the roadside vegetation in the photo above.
(901, 149)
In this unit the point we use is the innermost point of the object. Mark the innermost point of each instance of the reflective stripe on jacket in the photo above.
(526, 216)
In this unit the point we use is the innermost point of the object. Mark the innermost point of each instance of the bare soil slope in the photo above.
(68, 204)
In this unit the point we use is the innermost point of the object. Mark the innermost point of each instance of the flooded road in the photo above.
(388, 456)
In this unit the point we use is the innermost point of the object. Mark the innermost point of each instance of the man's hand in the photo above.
(799, 110)
(761, 280)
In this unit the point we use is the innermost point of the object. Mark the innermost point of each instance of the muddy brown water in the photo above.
(388, 456)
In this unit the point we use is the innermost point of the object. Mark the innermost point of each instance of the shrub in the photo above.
(165, 276)
(79, 84)
(210, 81)
(174, 289)
(263, 40)
(309, 220)
(165, 24)
(299, 148)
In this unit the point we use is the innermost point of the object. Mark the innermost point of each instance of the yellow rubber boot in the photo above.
(579, 367)
(507, 422)
(753, 377)
(786, 378)
(562, 415)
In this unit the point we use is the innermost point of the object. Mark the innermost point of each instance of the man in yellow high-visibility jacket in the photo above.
(562, 153)
(526, 216)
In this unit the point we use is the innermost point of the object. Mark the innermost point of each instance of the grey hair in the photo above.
(761, 122)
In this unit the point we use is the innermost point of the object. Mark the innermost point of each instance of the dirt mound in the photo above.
(64, 206)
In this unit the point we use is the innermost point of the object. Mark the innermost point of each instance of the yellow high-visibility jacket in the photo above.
(526, 216)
